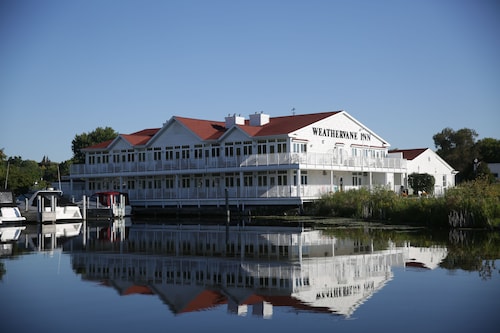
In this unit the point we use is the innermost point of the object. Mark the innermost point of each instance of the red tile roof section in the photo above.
(136, 138)
(213, 130)
(409, 154)
(204, 129)
(286, 124)
(100, 145)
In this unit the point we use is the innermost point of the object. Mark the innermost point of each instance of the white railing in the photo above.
(174, 195)
(312, 160)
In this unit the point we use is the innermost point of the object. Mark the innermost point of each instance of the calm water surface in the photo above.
(132, 277)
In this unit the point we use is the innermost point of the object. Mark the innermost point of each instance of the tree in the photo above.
(88, 139)
(458, 148)
(3, 157)
(24, 175)
(488, 150)
(421, 182)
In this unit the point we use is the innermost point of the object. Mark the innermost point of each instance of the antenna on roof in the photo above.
(293, 111)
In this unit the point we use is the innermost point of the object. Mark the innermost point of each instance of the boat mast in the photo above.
(7, 175)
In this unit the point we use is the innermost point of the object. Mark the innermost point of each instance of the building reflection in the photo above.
(48, 236)
(247, 269)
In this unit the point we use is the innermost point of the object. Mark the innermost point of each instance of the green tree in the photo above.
(458, 148)
(488, 150)
(421, 182)
(49, 170)
(88, 139)
(24, 175)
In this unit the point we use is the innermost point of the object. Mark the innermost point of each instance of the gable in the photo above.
(235, 133)
(339, 129)
(427, 162)
(285, 124)
(173, 133)
(204, 129)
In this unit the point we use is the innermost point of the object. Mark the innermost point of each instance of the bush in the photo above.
(472, 204)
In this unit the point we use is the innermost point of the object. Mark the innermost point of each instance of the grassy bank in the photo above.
(474, 204)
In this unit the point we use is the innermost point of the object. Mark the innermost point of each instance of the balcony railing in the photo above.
(185, 194)
(305, 160)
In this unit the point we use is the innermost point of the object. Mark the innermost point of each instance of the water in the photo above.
(132, 277)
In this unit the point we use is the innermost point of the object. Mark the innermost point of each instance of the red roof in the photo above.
(213, 130)
(205, 129)
(141, 137)
(101, 145)
(286, 124)
(409, 154)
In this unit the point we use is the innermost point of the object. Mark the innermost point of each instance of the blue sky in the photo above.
(405, 69)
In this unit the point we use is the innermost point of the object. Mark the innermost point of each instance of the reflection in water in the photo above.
(10, 233)
(192, 268)
(48, 236)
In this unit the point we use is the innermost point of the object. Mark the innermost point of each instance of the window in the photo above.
(186, 181)
(198, 151)
(169, 182)
(215, 151)
(169, 153)
(282, 178)
(261, 147)
(262, 179)
(247, 148)
(185, 152)
(299, 147)
(198, 180)
(357, 178)
(247, 179)
(229, 180)
(282, 147)
(130, 156)
(157, 154)
(229, 149)
(303, 178)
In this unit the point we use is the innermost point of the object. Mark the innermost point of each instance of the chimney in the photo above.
(259, 119)
(234, 120)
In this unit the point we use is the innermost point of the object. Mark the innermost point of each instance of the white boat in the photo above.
(9, 212)
(107, 204)
(49, 206)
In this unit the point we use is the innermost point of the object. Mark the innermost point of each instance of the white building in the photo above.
(285, 160)
(495, 170)
(424, 160)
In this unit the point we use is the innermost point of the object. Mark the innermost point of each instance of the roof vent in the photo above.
(234, 120)
(259, 119)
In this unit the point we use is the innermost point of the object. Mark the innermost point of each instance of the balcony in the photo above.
(318, 161)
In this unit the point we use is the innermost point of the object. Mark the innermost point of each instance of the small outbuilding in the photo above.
(424, 160)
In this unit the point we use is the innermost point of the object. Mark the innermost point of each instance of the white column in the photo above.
(299, 186)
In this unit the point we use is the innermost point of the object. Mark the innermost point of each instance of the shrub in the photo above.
(472, 204)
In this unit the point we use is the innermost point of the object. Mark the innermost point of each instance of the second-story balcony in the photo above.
(317, 161)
